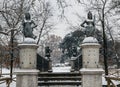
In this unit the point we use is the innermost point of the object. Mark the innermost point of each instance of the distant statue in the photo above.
(28, 26)
(89, 25)
(74, 51)
(47, 51)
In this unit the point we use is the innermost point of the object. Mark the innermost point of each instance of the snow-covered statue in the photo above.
(28, 26)
(89, 25)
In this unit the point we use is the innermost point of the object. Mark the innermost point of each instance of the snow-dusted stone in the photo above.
(26, 78)
(28, 56)
(91, 77)
(90, 52)
(28, 51)
(90, 40)
(29, 41)
(27, 75)
(91, 72)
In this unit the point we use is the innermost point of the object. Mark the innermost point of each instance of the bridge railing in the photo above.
(42, 63)
(113, 79)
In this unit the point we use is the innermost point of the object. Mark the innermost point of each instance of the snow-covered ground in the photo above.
(6, 71)
(61, 69)
(55, 69)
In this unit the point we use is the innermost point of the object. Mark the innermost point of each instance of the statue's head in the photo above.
(89, 15)
(27, 16)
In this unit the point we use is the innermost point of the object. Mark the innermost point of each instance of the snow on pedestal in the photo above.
(91, 72)
(27, 75)
(29, 41)
(90, 40)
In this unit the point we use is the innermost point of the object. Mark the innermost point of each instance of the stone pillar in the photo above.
(91, 71)
(72, 64)
(27, 74)
(50, 65)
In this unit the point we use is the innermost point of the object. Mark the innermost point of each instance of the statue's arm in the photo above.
(34, 25)
(82, 25)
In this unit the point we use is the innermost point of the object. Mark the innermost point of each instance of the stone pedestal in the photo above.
(91, 77)
(28, 56)
(91, 71)
(27, 74)
(27, 78)
(90, 54)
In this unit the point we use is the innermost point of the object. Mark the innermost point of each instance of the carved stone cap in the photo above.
(33, 46)
(28, 43)
(90, 40)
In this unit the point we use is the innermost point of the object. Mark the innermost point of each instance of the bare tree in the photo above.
(44, 20)
(11, 15)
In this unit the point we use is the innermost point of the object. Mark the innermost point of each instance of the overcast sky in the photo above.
(61, 29)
